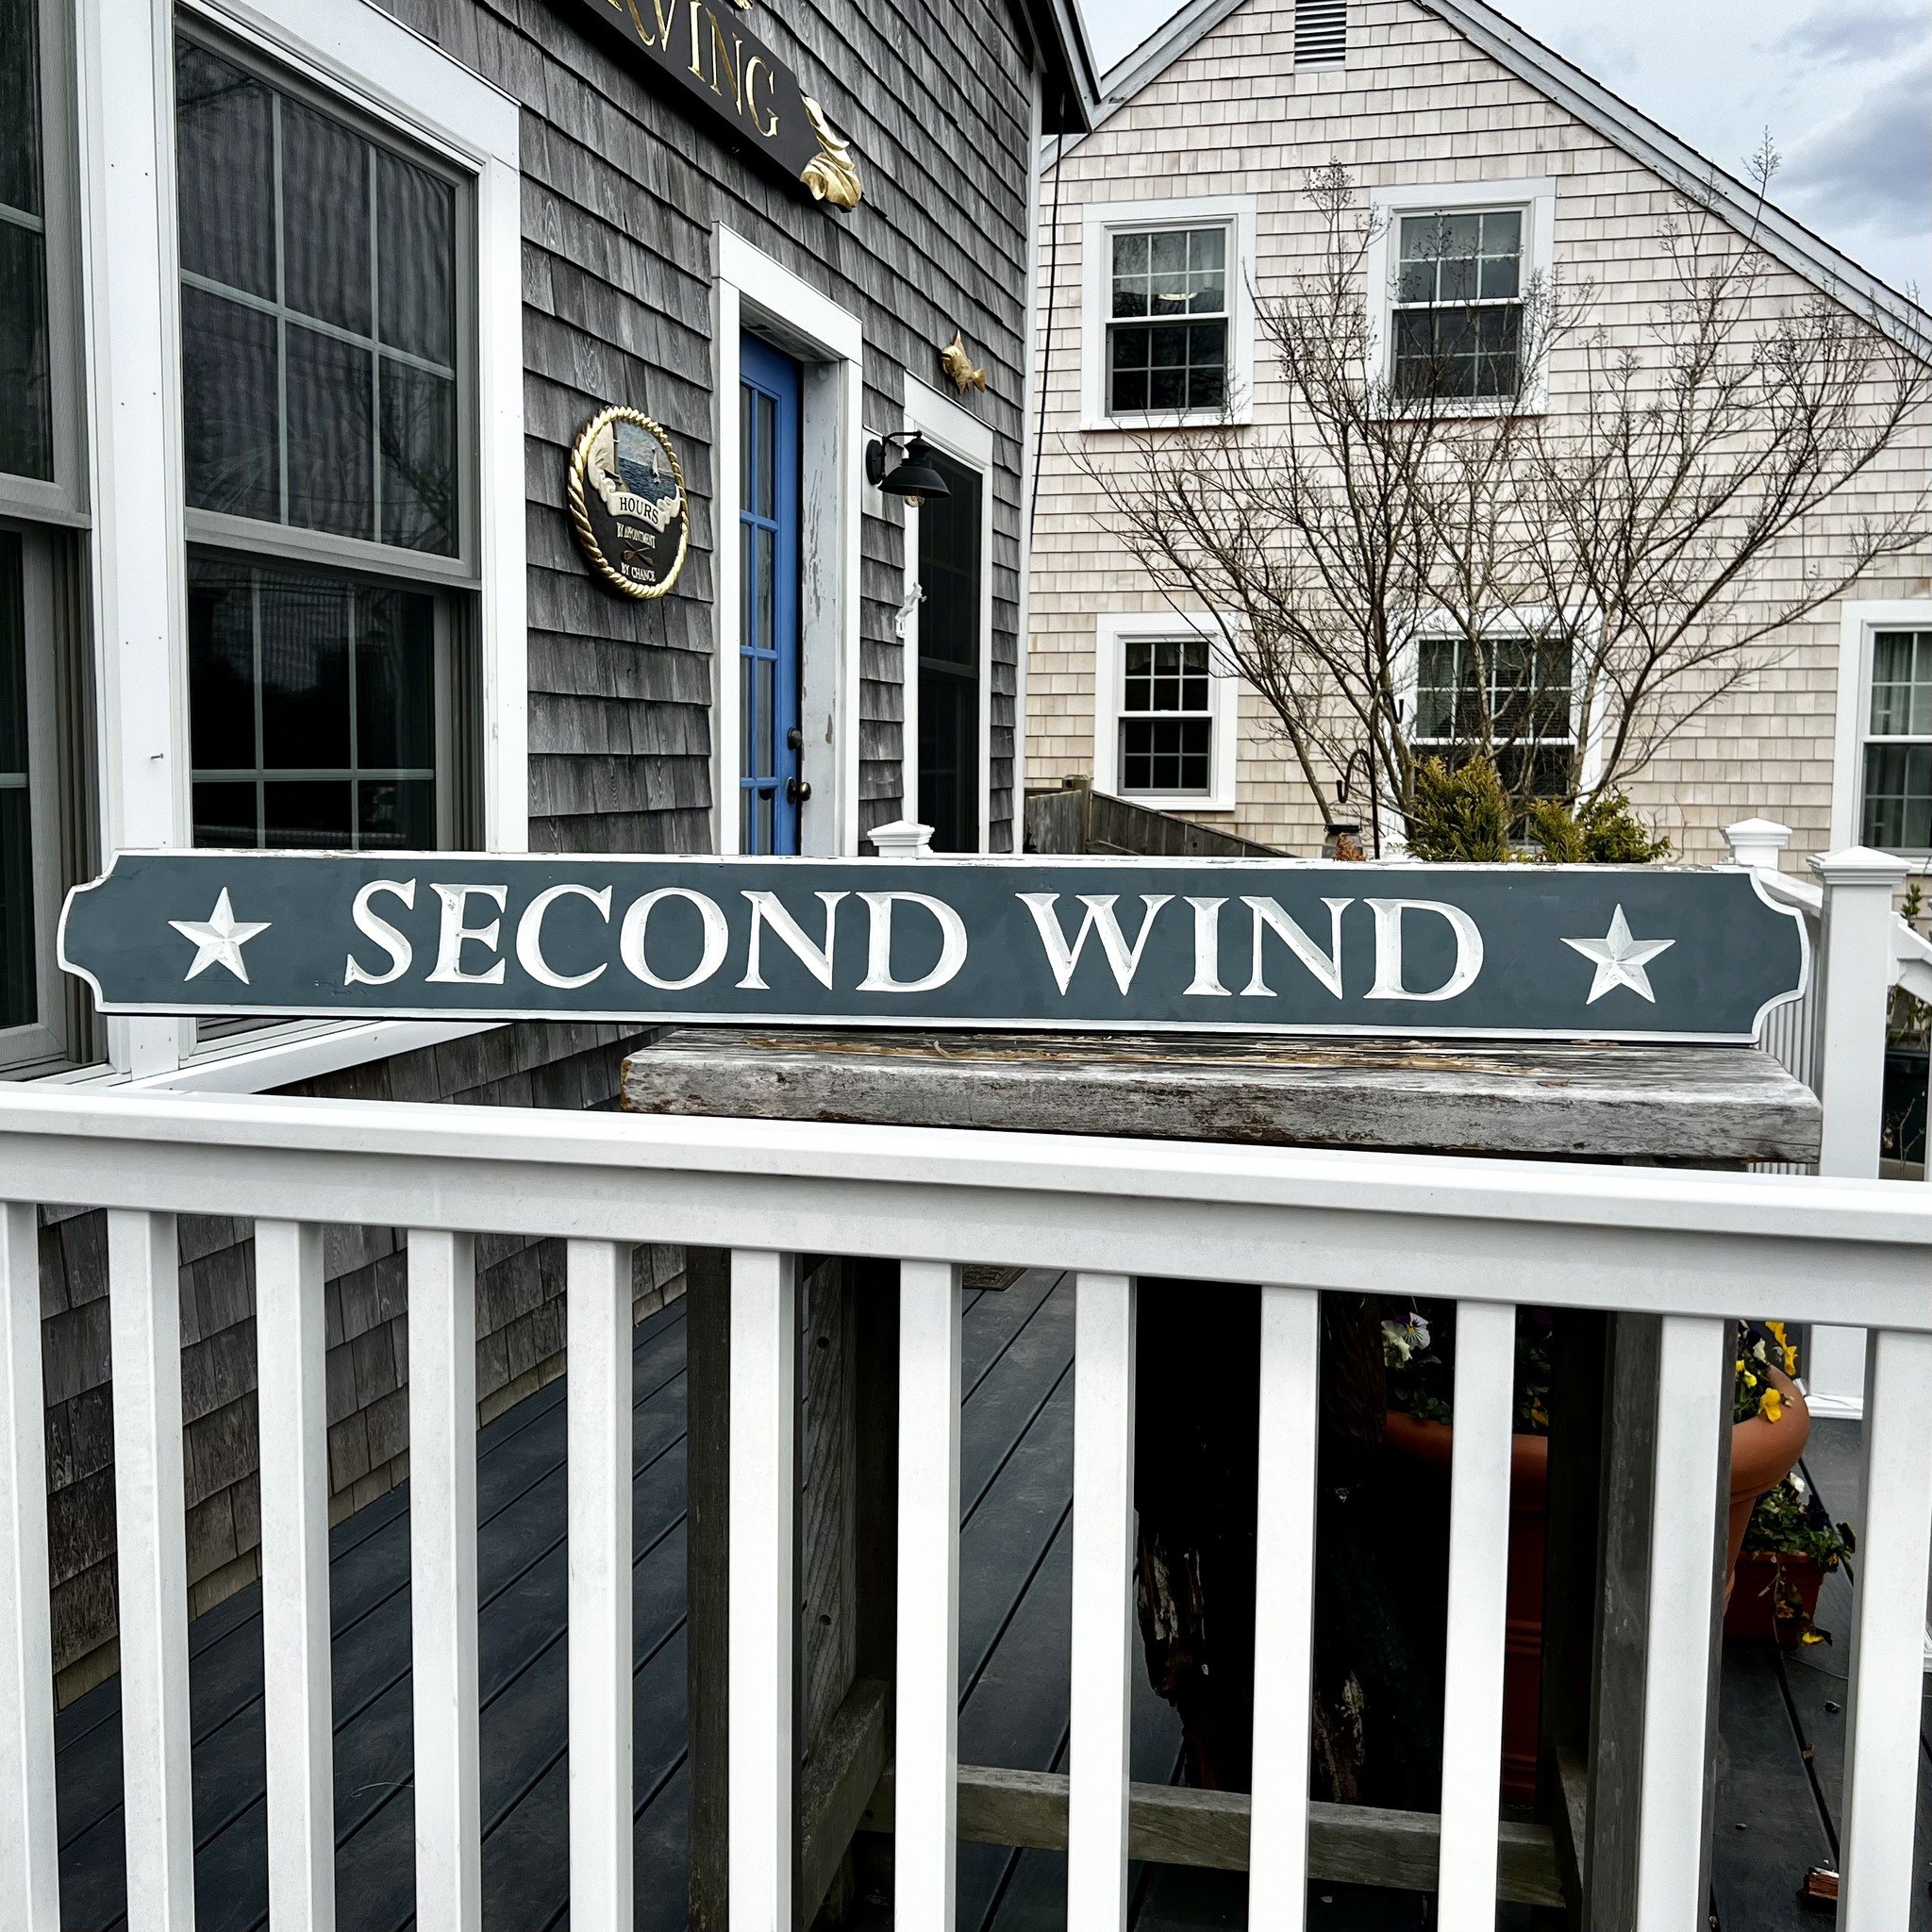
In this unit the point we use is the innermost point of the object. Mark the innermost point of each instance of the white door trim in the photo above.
(969, 442)
(750, 290)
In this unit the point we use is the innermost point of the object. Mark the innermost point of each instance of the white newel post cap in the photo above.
(902, 838)
(1756, 844)
(1858, 865)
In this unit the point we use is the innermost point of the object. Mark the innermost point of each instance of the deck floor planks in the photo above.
(521, 1506)
(1812, 1680)
(1768, 1831)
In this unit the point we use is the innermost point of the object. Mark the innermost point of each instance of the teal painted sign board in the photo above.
(1230, 945)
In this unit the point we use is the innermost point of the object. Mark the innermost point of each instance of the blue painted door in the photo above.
(772, 781)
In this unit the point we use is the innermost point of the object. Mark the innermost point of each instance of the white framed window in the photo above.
(1450, 273)
(1168, 322)
(1511, 686)
(327, 349)
(1165, 712)
(302, 289)
(1882, 777)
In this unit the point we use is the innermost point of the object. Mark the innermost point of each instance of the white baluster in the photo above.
(1284, 1609)
(290, 1353)
(29, 1849)
(763, 1608)
(1885, 1701)
(598, 1410)
(144, 1318)
(1692, 1412)
(1103, 1609)
(926, 1751)
(1854, 968)
(1479, 1582)
(443, 1578)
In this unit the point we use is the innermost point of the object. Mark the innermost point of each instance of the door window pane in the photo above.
(19, 981)
(27, 423)
(951, 569)
(318, 315)
(313, 709)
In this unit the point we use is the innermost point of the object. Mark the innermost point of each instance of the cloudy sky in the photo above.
(1844, 87)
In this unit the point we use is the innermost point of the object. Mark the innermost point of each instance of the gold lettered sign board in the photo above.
(628, 502)
(721, 65)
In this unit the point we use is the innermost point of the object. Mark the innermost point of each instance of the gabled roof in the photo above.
(1781, 235)
(1071, 97)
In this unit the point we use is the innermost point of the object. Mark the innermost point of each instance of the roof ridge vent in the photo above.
(1320, 33)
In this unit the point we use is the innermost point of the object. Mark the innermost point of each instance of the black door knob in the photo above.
(797, 791)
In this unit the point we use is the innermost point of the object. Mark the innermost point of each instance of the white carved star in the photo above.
(1619, 959)
(218, 938)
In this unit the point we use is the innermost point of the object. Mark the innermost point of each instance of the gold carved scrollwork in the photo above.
(831, 174)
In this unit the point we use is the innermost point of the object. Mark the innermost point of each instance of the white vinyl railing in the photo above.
(1695, 1249)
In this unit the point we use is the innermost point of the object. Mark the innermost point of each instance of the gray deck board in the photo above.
(1778, 1707)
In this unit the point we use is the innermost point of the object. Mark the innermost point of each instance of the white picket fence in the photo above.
(1693, 1248)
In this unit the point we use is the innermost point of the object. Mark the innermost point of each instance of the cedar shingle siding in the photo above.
(621, 188)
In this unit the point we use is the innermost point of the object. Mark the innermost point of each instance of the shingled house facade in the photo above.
(306, 303)
(1186, 211)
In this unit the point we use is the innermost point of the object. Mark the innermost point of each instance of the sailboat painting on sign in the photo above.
(628, 502)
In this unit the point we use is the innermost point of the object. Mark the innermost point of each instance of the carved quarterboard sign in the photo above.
(718, 64)
(1229, 945)
(628, 502)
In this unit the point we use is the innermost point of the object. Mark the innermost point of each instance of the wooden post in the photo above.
(708, 1571)
(1626, 1758)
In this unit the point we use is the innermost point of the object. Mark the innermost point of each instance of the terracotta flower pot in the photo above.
(1762, 1455)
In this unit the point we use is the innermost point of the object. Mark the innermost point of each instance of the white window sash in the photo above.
(1859, 622)
(1100, 223)
(1114, 632)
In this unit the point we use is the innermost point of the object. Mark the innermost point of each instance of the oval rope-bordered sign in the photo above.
(628, 502)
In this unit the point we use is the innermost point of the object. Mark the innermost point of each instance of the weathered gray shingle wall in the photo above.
(622, 190)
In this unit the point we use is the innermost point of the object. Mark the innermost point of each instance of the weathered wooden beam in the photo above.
(847, 1761)
(708, 1409)
(1171, 1826)
(1700, 1106)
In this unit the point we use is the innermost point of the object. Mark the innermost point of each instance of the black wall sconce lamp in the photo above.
(915, 475)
